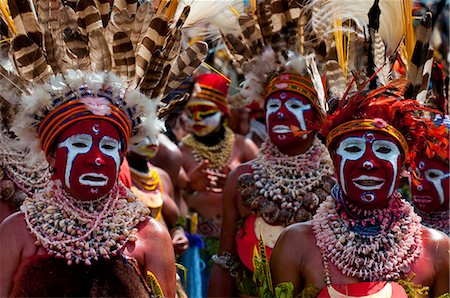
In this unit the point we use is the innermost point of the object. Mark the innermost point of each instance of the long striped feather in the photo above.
(251, 33)
(54, 54)
(25, 21)
(141, 22)
(123, 55)
(29, 59)
(104, 7)
(419, 57)
(89, 18)
(99, 53)
(186, 64)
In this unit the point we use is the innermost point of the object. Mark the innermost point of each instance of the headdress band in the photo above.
(367, 124)
(72, 112)
(213, 95)
(295, 83)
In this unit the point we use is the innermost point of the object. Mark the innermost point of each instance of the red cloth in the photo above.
(246, 241)
(362, 289)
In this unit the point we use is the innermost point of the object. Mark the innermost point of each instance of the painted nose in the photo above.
(98, 161)
(368, 165)
(280, 116)
(196, 117)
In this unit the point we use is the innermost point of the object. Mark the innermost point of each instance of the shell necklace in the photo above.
(372, 245)
(287, 189)
(82, 231)
(217, 155)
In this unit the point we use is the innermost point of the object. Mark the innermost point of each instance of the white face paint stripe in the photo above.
(113, 152)
(298, 112)
(345, 155)
(437, 183)
(73, 151)
(391, 156)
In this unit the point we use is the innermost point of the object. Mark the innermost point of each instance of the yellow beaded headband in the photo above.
(368, 124)
(295, 83)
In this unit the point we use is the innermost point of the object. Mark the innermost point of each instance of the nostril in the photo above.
(368, 165)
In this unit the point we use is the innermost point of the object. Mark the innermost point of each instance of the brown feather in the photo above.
(89, 18)
(104, 7)
(141, 22)
(183, 16)
(154, 72)
(98, 51)
(186, 64)
(77, 49)
(158, 90)
(25, 20)
(252, 34)
(128, 5)
(123, 55)
(48, 12)
(29, 59)
(265, 22)
(54, 53)
(152, 42)
(11, 86)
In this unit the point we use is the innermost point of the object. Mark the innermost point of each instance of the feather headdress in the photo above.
(268, 41)
(122, 52)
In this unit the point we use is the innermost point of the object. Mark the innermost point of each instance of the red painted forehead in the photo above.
(370, 135)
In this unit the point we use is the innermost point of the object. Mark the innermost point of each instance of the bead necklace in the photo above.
(82, 231)
(217, 155)
(287, 189)
(438, 220)
(146, 181)
(372, 245)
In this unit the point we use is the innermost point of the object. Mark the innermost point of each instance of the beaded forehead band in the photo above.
(368, 124)
(295, 83)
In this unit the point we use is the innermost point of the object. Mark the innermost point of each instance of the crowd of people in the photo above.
(224, 149)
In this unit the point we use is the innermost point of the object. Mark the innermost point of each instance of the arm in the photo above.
(159, 257)
(221, 283)
(249, 151)
(285, 259)
(13, 234)
(440, 250)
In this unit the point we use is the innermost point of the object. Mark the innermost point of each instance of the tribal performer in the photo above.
(293, 173)
(430, 188)
(84, 97)
(210, 151)
(366, 240)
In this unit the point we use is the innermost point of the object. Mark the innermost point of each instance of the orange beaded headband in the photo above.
(367, 124)
(213, 95)
(72, 112)
(295, 83)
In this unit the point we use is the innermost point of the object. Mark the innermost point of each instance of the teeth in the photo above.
(281, 129)
(368, 182)
(93, 179)
(422, 199)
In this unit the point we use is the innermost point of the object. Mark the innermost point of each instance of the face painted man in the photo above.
(431, 193)
(204, 116)
(289, 116)
(88, 158)
(368, 166)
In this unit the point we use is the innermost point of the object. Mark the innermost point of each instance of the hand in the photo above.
(179, 241)
(198, 177)
(217, 179)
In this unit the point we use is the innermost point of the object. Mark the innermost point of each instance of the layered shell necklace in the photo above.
(83, 231)
(217, 155)
(371, 245)
(287, 189)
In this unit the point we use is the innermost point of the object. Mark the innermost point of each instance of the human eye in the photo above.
(353, 149)
(273, 104)
(386, 150)
(383, 150)
(108, 143)
(433, 174)
(294, 103)
(81, 141)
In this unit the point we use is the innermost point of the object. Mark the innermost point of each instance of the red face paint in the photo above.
(88, 158)
(288, 115)
(368, 167)
(432, 192)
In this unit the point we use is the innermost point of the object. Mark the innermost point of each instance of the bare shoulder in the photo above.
(241, 169)
(15, 226)
(153, 231)
(299, 234)
(435, 240)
